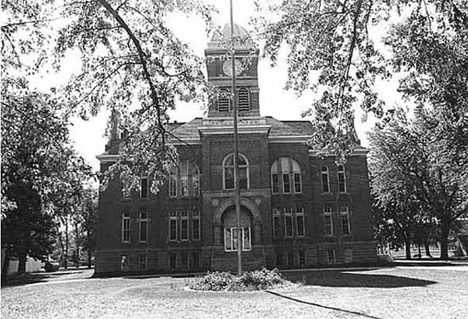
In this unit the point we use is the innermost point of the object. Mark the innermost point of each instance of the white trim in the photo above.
(105, 158)
(125, 216)
(361, 151)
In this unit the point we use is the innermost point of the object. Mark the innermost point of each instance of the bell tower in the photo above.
(219, 66)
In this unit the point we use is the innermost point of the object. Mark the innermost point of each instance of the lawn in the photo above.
(400, 292)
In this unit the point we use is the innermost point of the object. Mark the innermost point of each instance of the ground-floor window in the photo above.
(290, 258)
(348, 255)
(142, 262)
(184, 260)
(301, 257)
(331, 258)
(124, 262)
(231, 239)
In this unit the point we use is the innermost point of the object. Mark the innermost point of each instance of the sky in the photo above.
(274, 100)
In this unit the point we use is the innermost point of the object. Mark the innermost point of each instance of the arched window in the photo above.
(228, 172)
(184, 180)
(341, 179)
(325, 180)
(244, 99)
(224, 101)
(287, 172)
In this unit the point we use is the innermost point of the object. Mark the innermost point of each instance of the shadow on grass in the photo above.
(34, 278)
(322, 306)
(350, 279)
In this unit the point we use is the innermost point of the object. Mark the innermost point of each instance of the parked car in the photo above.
(51, 266)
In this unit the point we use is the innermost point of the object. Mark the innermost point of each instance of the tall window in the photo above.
(331, 258)
(125, 227)
(231, 239)
(184, 180)
(325, 180)
(244, 99)
(287, 172)
(341, 179)
(300, 225)
(327, 221)
(143, 227)
(224, 101)
(277, 223)
(288, 222)
(144, 187)
(345, 226)
(228, 165)
(184, 225)
(173, 226)
(195, 225)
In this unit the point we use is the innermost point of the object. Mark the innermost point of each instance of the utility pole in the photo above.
(236, 151)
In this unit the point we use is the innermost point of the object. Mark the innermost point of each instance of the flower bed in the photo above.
(249, 281)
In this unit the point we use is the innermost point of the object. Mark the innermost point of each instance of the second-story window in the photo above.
(144, 187)
(325, 180)
(345, 225)
(228, 170)
(125, 228)
(143, 227)
(327, 221)
(287, 172)
(184, 180)
(341, 179)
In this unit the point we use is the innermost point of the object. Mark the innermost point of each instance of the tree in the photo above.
(332, 51)
(411, 180)
(132, 63)
(86, 222)
(37, 163)
(435, 60)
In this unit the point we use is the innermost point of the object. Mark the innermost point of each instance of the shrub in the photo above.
(250, 280)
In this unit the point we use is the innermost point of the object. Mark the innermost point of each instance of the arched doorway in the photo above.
(231, 233)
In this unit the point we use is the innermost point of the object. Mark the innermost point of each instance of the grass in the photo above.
(400, 292)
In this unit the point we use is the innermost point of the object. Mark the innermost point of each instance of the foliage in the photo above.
(40, 174)
(413, 185)
(332, 51)
(131, 63)
(250, 280)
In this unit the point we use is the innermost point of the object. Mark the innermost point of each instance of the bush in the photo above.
(250, 280)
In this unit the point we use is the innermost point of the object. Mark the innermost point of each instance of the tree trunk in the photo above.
(65, 264)
(408, 249)
(89, 258)
(419, 251)
(428, 250)
(5, 266)
(444, 232)
(22, 264)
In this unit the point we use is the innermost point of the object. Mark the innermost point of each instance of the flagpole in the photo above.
(236, 151)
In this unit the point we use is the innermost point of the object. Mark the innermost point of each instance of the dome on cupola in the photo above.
(242, 39)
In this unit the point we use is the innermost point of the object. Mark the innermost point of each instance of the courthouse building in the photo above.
(298, 210)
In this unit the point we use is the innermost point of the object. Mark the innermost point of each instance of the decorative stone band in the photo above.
(107, 158)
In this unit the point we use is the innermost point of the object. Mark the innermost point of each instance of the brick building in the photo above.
(298, 210)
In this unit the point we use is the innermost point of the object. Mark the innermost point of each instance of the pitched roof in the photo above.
(189, 130)
(289, 128)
